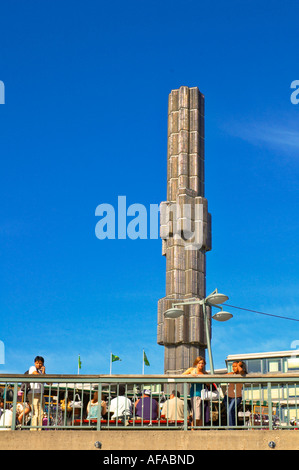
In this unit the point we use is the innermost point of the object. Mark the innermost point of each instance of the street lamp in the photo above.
(212, 300)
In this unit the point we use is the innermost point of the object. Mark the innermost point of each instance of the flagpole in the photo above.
(78, 365)
(143, 362)
(110, 363)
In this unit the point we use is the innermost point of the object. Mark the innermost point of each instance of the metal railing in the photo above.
(252, 402)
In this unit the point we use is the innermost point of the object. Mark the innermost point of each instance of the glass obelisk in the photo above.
(185, 229)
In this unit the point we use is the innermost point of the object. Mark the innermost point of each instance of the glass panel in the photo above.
(264, 366)
(254, 365)
(274, 365)
(293, 363)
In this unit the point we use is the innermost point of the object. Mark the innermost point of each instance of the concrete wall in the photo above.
(149, 440)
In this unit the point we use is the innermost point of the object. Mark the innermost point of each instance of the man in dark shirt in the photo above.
(146, 407)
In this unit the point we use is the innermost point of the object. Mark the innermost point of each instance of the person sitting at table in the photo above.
(146, 407)
(5, 416)
(173, 409)
(120, 406)
(92, 407)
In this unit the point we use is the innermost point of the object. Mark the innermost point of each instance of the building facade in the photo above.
(268, 362)
(284, 396)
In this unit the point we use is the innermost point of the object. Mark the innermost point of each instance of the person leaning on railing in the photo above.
(198, 368)
(36, 393)
(233, 396)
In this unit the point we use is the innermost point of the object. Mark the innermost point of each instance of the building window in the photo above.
(254, 366)
(274, 365)
(264, 366)
(293, 363)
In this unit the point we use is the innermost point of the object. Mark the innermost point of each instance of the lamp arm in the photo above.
(197, 302)
(217, 306)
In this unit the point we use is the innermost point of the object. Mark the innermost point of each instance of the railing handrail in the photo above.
(59, 378)
(277, 390)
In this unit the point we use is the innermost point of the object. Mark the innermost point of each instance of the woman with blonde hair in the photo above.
(198, 368)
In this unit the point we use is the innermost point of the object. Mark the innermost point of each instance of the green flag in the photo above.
(114, 358)
(79, 363)
(145, 359)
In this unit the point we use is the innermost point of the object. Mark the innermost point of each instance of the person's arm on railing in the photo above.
(190, 371)
(43, 372)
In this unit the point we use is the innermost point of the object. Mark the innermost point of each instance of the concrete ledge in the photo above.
(149, 440)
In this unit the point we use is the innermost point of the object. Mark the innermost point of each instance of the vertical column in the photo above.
(184, 230)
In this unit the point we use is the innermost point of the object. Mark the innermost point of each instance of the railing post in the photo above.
(99, 415)
(14, 406)
(185, 407)
(270, 408)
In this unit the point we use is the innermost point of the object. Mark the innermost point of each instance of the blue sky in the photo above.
(85, 121)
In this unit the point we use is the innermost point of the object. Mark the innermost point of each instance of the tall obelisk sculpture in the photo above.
(185, 229)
